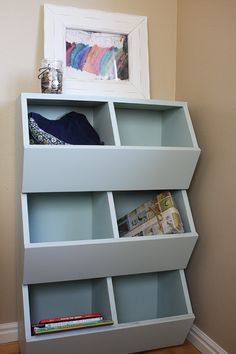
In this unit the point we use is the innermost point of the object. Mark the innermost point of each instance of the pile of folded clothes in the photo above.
(72, 128)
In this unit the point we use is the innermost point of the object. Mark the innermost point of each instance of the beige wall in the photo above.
(21, 29)
(206, 78)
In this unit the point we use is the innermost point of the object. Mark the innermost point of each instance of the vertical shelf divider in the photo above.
(113, 215)
(112, 300)
(114, 124)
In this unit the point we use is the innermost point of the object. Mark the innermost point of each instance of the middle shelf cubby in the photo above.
(58, 217)
(80, 230)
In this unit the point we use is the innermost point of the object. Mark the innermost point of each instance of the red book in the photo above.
(70, 318)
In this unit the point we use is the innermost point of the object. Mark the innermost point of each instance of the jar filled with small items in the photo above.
(51, 75)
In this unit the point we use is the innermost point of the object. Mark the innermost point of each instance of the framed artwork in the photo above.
(103, 53)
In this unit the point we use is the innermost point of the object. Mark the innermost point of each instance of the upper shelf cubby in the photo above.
(147, 144)
(96, 112)
(152, 125)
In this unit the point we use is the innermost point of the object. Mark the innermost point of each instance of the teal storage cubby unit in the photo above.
(72, 258)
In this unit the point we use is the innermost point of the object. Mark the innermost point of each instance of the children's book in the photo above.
(154, 217)
(41, 329)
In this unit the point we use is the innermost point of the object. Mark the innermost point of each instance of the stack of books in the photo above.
(59, 324)
(157, 216)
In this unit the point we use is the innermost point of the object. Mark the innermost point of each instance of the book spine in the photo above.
(73, 323)
(70, 318)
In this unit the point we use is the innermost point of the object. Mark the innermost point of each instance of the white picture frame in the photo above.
(59, 19)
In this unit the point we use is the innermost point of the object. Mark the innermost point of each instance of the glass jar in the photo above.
(51, 75)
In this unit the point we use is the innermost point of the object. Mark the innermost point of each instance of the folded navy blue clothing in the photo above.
(73, 128)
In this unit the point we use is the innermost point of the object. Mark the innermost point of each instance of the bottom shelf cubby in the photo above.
(149, 297)
(148, 311)
(63, 299)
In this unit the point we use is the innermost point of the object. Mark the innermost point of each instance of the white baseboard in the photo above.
(204, 343)
(8, 332)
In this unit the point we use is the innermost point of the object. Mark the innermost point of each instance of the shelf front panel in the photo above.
(58, 169)
(129, 339)
(71, 260)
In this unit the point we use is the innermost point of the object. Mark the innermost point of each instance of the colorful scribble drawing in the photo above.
(95, 55)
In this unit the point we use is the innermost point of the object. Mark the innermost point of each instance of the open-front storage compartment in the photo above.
(80, 230)
(141, 124)
(133, 203)
(150, 296)
(154, 304)
(159, 135)
(65, 299)
(58, 217)
(96, 112)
